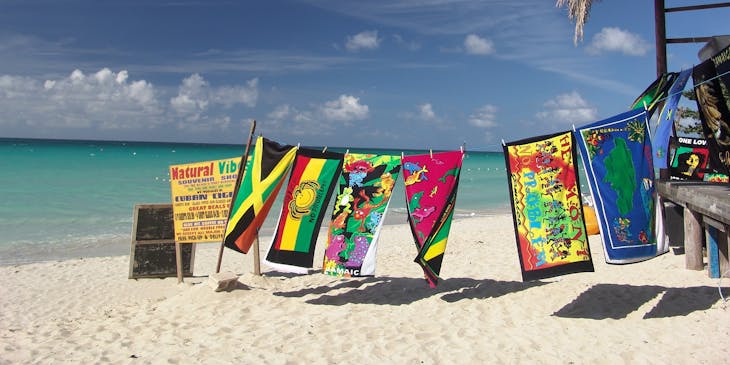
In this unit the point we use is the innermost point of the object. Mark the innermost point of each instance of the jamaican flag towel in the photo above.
(546, 204)
(655, 93)
(431, 182)
(366, 184)
(263, 177)
(312, 180)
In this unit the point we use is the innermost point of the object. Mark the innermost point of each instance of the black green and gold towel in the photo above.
(310, 187)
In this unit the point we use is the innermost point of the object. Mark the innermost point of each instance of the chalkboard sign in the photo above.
(152, 253)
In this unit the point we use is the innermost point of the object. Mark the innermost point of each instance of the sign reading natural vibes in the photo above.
(308, 192)
(262, 180)
(546, 203)
(431, 182)
(365, 188)
(617, 157)
(201, 196)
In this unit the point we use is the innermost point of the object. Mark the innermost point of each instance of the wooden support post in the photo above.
(256, 256)
(178, 261)
(717, 247)
(660, 35)
(723, 245)
(713, 259)
(693, 233)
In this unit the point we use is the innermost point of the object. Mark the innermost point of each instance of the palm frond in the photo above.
(578, 10)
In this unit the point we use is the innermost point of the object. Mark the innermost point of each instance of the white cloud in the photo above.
(192, 96)
(345, 108)
(317, 120)
(426, 112)
(195, 95)
(477, 45)
(103, 99)
(411, 46)
(81, 104)
(569, 108)
(484, 117)
(363, 40)
(611, 39)
(231, 95)
(280, 113)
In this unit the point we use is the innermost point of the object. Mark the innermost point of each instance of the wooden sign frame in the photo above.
(153, 251)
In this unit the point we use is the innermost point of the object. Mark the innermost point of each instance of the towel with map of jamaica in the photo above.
(617, 158)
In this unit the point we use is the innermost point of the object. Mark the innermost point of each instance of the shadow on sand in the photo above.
(399, 291)
(616, 301)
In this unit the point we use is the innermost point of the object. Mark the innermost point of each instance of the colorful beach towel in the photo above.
(665, 123)
(654, 94)
(714, 114)
(431, 183)
(689, 160)
(312, 180)
(616, 155)
(366, 185)
(550, 229)
(263, 177)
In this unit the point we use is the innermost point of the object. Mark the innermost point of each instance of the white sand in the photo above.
(86, 311)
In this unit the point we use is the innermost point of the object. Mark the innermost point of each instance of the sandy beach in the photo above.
(87, 311)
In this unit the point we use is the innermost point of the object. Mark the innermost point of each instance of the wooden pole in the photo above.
(241, 170)
(660, 33)
(256, 256)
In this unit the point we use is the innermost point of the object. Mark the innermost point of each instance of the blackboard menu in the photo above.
(152, 252)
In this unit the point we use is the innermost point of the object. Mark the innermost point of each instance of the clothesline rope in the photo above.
(703, 82)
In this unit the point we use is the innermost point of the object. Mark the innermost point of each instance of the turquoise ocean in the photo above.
(69, 199)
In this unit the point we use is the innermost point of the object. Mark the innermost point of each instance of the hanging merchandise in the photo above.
(550, 230)
(665, 122)
(431, 183)
(689, 160)
(654, 94)
(616, 156)
(366, 185)
(313, 178)
(714, 114)
(263, 177)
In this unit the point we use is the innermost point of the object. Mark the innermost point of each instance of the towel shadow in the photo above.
(683, 301)
(399, 290)
(616, 301)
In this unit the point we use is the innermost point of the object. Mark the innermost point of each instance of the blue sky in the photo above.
(383, 73)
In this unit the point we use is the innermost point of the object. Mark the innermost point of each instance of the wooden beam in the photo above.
(689, 40)
(697, 7)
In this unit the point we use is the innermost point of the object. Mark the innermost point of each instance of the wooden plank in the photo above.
(693, 233)
(712, 201)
